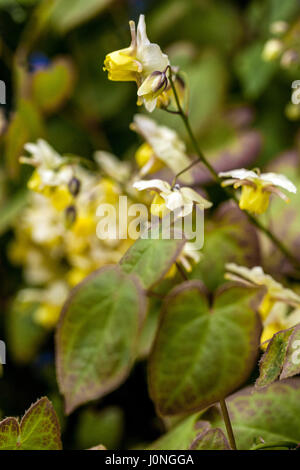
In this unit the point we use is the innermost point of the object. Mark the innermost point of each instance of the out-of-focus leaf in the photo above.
(11, 209)
(26, 126)
(97, 335)
(272, 361)
(24, 335)
(202, 353)
(234, 239)
(254, 73)
(38, 430)
(180, 437)
(150, 259)
(52, 86)
(207, 82)
(104, 426)
(271, 414)
(66, 16)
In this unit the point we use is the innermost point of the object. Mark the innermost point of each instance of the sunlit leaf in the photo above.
(38, 430)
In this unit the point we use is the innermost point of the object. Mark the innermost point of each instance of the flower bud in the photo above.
(74, 186)
(70, 215)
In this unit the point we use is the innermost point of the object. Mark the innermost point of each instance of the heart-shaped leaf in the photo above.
(38, 430)
(97, 335)
(202, 353)
(271, 414)
(150, 259)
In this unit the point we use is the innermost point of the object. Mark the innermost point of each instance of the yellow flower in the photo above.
(164, 146)
(275, 292)
(47, 315)
(257, 188)
(142, 62)
(145, 159)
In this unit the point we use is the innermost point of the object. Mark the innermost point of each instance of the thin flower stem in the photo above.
(201, 158)
(182, 272)
(227, 422)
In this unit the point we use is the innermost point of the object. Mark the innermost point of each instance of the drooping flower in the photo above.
(257, 188)
(275, 292)
(162, 148)
(142, 62)
(170, 199)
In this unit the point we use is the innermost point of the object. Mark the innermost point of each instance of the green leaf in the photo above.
(271, 414)
(39, 429)
(180, 437)
(104, 426)
(52, 86)
(11, 209)
(250, 60)
(151, 259)
(291, 365)
(202, 353)
(97, 335)
(65, 17)
(272, 361)
(230, 235)
(25, 336)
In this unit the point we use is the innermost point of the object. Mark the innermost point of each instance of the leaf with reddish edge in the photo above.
(97, 335)
(202, 353)
(39, 429)
(271, 363)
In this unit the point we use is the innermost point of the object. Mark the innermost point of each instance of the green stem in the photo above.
(227, 422)
(202, 158)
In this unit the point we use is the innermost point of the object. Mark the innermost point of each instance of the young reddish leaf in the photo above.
(202, 353)
(39, 429)
(97, 335)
